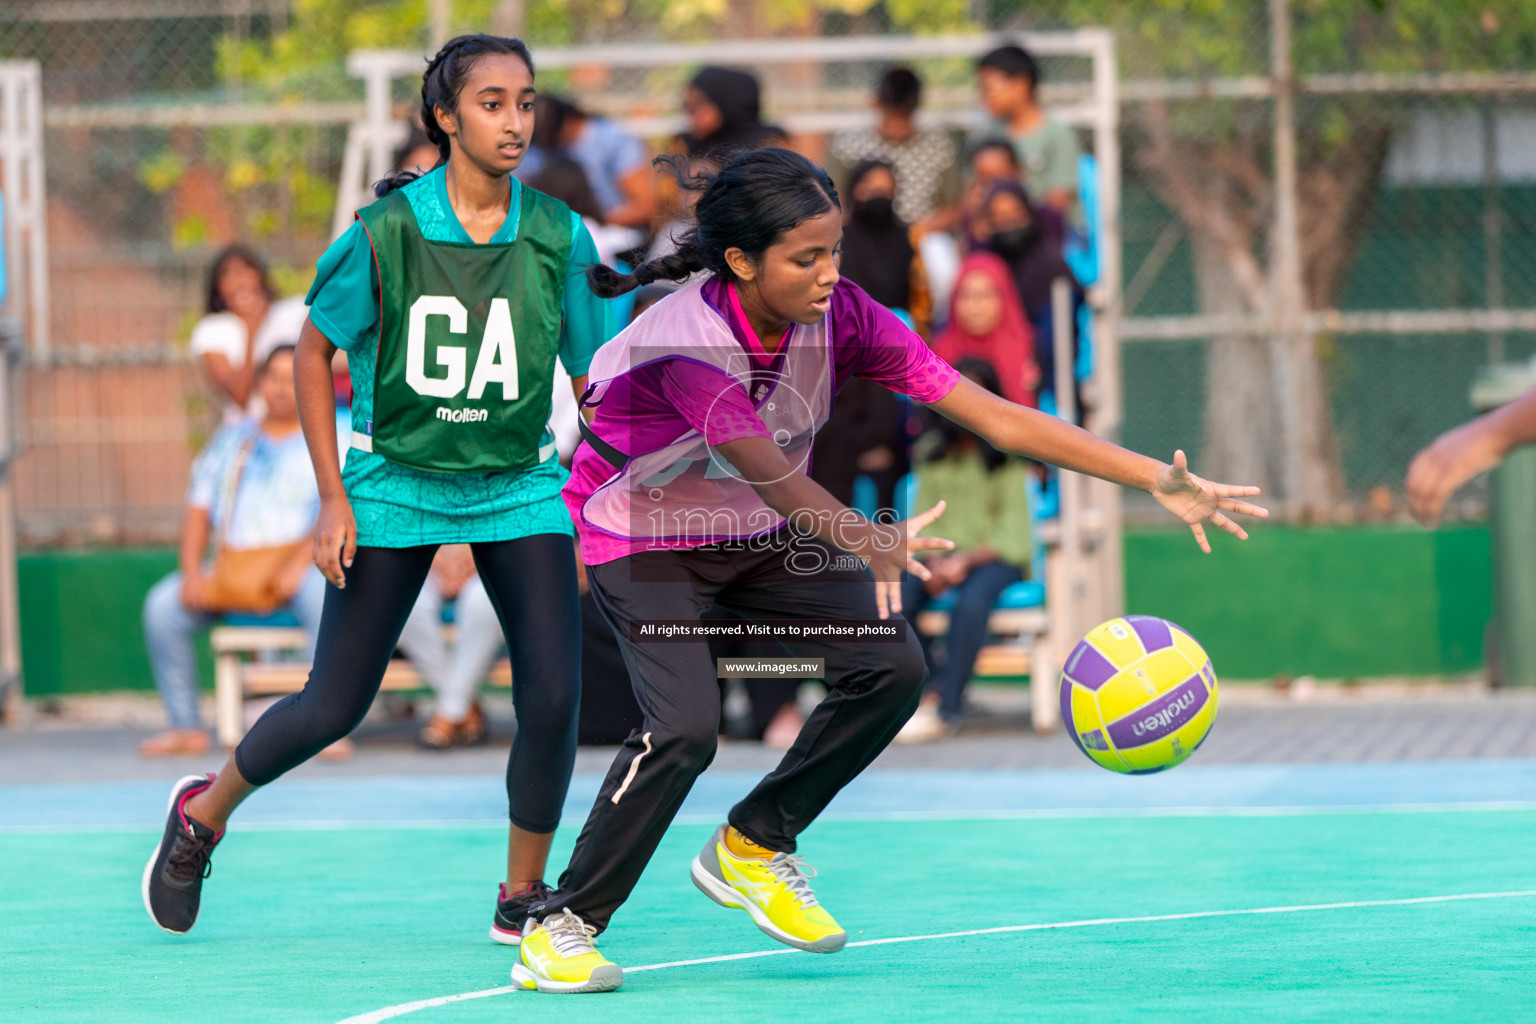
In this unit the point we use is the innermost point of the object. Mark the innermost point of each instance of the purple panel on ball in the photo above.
(1153, 721)
(1087, 667)
(1154, 632)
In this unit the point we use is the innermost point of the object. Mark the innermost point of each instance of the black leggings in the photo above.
(532, 584)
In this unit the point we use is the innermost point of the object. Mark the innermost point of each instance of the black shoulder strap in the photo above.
(615, 458)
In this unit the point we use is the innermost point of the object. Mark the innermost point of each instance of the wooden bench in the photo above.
(1026, 652)
(235, 678)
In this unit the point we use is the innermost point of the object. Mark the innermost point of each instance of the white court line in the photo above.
(1026, 814)
(390, 1012)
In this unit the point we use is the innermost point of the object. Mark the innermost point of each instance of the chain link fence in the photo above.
(175, 126)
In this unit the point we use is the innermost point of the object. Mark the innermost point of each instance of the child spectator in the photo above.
(992, 161)
(245, 321)
(1008, 78)
(923, 162)
(253, 495)
(988, 519)
(987, 323)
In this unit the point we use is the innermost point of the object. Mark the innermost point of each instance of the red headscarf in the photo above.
(1009, 347)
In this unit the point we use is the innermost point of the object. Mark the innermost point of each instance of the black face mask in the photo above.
(1012, 243)
(875, 213)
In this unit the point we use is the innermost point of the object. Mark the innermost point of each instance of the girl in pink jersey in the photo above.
(691, 491)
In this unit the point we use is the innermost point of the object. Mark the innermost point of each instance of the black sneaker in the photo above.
(173, 878)
(511, 912)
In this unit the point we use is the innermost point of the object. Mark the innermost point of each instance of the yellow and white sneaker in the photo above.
(775, 890)
(559, 956)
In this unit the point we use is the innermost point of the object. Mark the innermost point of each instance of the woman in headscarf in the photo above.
(724, 111)
(1012, 227)
(878, 254)
(987, 322)
(1022, 234)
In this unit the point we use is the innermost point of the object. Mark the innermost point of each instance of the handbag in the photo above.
(245, 579)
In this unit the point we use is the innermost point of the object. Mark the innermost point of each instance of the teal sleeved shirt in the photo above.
(397, 506)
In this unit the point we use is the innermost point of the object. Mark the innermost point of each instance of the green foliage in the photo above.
(929, 16)
(161, 172)
(190, 232)
(1189, 38)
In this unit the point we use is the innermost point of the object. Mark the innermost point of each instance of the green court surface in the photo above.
(319, 923)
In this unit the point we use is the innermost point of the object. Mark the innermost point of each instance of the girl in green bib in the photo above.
(452, 295)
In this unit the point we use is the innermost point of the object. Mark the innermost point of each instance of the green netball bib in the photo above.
(467, 339)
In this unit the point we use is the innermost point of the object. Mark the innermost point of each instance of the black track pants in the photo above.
(532, 584)
(873, 689)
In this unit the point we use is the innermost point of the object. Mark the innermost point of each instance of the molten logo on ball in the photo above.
(1139, 694)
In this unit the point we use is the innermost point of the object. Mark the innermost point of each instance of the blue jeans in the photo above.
(168, 629)
(975, 599)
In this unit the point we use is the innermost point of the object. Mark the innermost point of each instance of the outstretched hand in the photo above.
(1453, 458)
(887, 564)
(1195, 501)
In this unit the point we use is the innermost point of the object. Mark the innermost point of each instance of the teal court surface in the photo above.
(1346, 892)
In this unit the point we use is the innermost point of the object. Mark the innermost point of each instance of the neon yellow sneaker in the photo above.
(776, 892)
(558, 956)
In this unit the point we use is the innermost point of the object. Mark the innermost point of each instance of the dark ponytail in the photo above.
(441, 84)
(749, 204)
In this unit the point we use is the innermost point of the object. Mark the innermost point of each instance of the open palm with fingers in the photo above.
(1197, 501)
(888, 562)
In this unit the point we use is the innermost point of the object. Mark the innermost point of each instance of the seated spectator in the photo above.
(245, 321)
(563, 178)
(994, 159)
(923, 162)
(617, 165)
(866, 434)
(987, 322)
(994, 163)
(988, 519)
(878, 254)
(457, 721)
(253, 496)
(1015, 230)
(724, 111)
(1008, 78)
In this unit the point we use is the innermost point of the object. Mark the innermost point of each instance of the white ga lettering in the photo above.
(496, 363)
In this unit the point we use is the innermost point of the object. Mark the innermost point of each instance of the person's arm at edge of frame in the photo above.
(335, 528)
(1463, 452)
(1045, 438)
